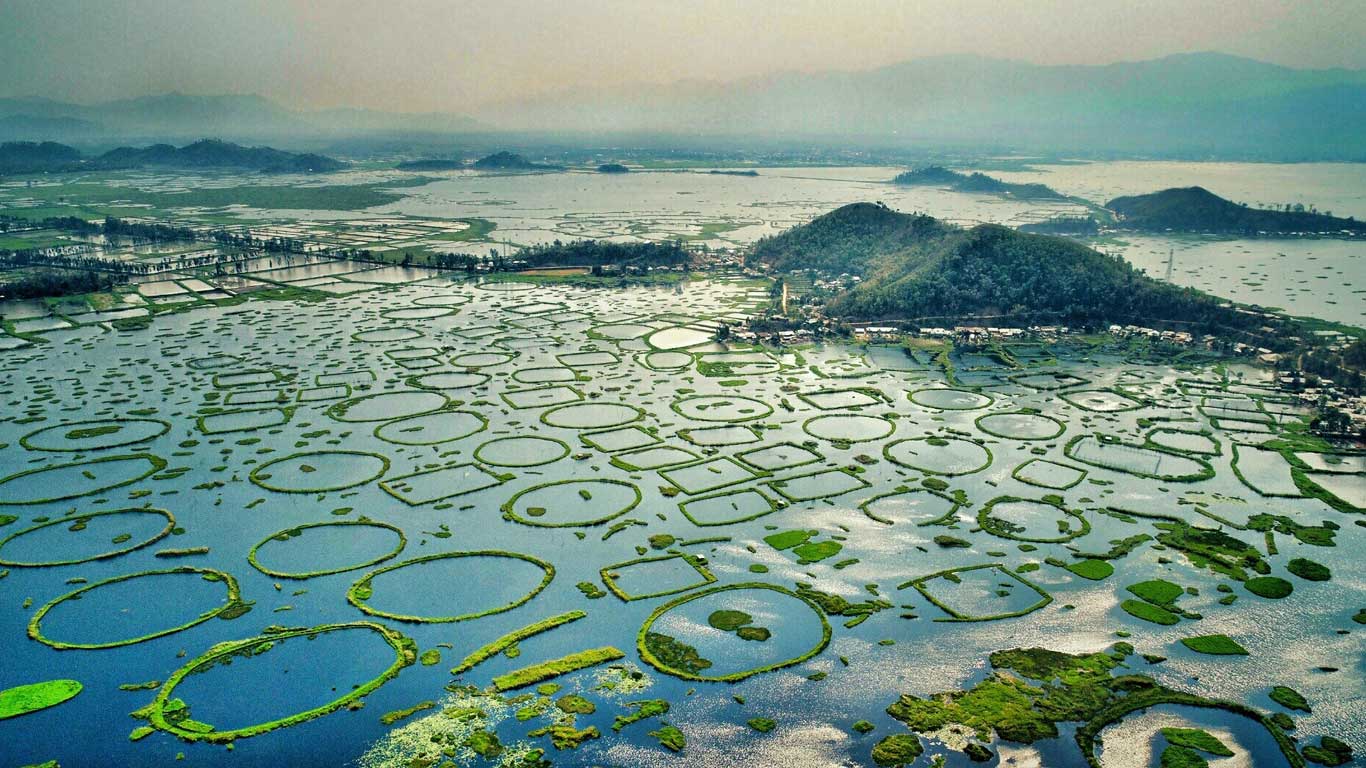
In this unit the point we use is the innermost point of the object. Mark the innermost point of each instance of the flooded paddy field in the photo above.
(430, 519)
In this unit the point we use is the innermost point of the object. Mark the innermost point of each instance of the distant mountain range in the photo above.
(52, 157)
(1198, 105)
(178, 116)
(1201, 105)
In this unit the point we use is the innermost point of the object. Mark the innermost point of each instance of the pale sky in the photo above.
(448, 55)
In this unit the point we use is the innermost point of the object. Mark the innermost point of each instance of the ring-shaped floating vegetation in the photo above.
(504, 286)
(442, 300)
(1023, 425)
(447, 380)
(360, 592)
(458, 425)
(1087, 734)
(666, 361)
(81, 519)
(943, 519)
(358, 409)
(233, 606)
(1101, 400)
(262, 476)
(693, 407)
(482, 359)
(417, 313)
(894, 451)
(85, 435)
(1040, 479)
(290, 533)
(1007, 530)
(154, 464)
(954, 615)
(649, 657)
(611, 573)
(564, 416)
(834, 427)
(405, 654)
(559, 447)
(382, 335)
(1203, 470)
(949, 399)
(509, 507)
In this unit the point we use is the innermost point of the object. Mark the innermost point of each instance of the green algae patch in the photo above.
(898, 749)
(1177, 756)
(1214, 645)
(1157, 591)
(670, 738)
(1031, 690)
(1149, 612)
(1095, 570)
(762, 724)
(489, 650)
(1308, 569)
(546, 670)
(23, 699)
(1329, 751)
(1194, 738)
(173, 715)
(643, 710)
(1271, 587)
(728, 621)
(1289, 698)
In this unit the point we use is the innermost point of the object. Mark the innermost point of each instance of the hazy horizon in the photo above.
(431, 56)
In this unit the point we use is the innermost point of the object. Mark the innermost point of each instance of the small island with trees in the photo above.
(980, 183)
(1196, 209)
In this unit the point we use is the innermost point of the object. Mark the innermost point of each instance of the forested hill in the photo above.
(918, 267)
(939, 176)
(211, 153)
(50, 157)
(848, 239)
(1196, 209)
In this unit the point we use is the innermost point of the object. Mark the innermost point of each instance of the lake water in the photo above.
(849, 408)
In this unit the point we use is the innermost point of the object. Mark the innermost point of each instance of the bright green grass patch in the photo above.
(1194, 738)
(23, 699)
(554, 668)
(1215, 645)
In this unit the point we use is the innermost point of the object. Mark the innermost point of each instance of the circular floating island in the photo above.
(319, 471)
(728, 408)
(735, 623)
(363, 590)
(170, 714)
(572, 503)
(939, 455)
(94, 435)
(320, 542)
(231, 607)
(79, 523)
(946, 399)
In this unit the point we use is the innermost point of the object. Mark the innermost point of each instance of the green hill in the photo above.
(918, 267)
(939, 176)
(508, 161)
(49, 157)
(35, 157)
(211, 153)
(1196, 209)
